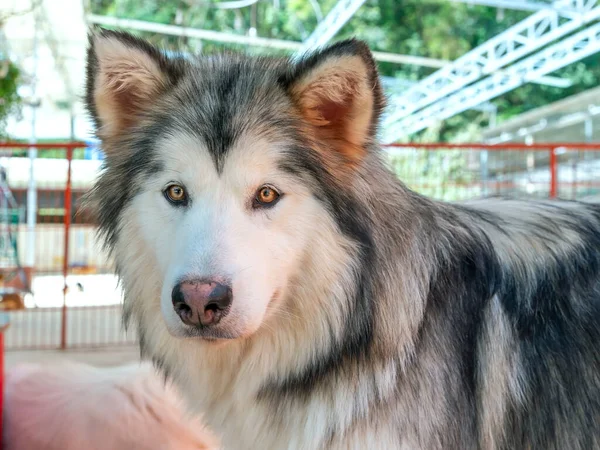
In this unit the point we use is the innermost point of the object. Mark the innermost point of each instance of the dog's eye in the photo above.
(266, 196)
(176, 194)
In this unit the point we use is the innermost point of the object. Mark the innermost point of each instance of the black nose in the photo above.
(201, 302)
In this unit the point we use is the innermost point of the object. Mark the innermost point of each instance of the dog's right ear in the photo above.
(124, 76)
(338, 93)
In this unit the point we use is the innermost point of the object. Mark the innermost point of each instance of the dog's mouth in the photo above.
(209, 334)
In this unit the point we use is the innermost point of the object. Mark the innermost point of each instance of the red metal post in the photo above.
(63, 329)
(4, 323)
(553, 173)
(582, 146)
(1, 385)
(510, 146)
(42, 146)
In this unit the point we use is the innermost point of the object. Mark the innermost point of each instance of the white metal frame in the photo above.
(341, 13)
(524, 5)
(208, 35)
(529, 35)
(218, 36)
(568, 51)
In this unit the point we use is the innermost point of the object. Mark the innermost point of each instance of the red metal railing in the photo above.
(445, 171)
(50, 323)
(557, 154)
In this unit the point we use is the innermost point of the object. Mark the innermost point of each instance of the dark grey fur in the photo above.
(535, 266)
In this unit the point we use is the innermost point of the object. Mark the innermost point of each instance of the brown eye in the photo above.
(176, 194)
(266, 196)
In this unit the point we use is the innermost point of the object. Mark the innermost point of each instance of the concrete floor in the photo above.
(86, 327)
(99, 358)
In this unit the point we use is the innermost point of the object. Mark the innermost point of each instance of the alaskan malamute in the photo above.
(301, 297)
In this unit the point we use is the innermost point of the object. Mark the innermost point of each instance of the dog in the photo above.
(300, 296)
(73, 406)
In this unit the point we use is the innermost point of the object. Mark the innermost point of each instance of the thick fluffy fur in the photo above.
(74, 407)
(364, 315)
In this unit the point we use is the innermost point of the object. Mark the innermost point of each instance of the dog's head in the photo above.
(223, 171)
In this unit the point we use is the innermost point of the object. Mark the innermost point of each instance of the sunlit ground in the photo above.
(93, 290)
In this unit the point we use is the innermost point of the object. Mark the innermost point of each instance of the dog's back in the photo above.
(538, 349)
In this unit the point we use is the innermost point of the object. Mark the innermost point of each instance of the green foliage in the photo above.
(9, 98)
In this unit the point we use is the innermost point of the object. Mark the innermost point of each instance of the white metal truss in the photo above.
(568, 51)
(527, 36)
(218, 36)
(523, 5)
(332, 23)
(209, 35)
(405, 84)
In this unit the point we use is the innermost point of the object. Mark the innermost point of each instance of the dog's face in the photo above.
(228, 239)
(223, 171)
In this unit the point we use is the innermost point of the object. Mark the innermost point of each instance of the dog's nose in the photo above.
(201, 302)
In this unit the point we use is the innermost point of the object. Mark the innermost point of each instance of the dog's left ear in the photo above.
(338, 92)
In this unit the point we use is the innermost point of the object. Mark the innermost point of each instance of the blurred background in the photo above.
(486, 97)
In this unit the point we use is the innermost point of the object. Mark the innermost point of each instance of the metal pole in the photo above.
(483, 162)
(67, 223)
(588, 128)
(32, 153)
(1, 385)
(553, 173)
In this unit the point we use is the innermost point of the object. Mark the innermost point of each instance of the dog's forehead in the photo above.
(227, 101)
(250, 159)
